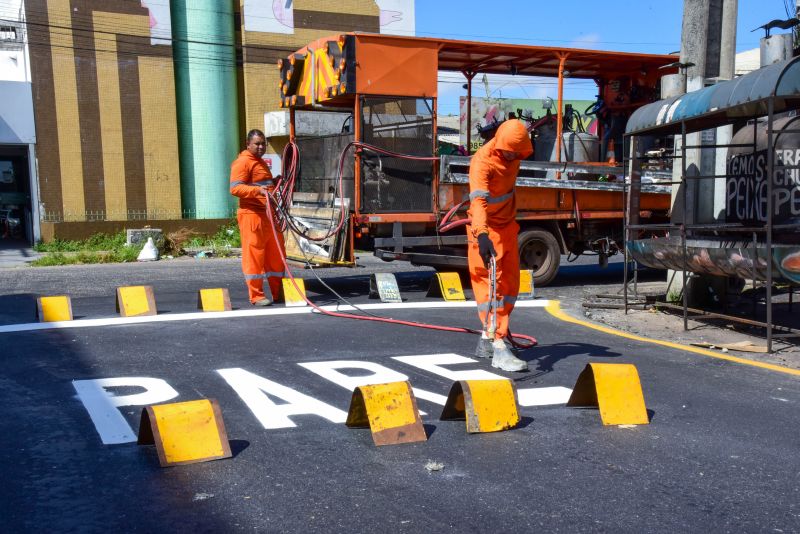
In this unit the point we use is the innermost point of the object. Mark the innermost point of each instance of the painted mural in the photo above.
(277, 16)
(719, 258)
(746, 183)
(486, 111)
(746, 202)
(160, 21)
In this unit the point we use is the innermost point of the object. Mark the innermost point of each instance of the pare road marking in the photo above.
(257, 392)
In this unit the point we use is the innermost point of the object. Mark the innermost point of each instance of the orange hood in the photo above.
(513, 137)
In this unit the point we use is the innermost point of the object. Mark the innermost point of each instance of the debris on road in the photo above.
(744, 346)
(432, 466)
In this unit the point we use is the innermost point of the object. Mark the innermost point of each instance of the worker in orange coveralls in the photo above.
(261, 256)
(493, 232)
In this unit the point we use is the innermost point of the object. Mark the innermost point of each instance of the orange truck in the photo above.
(369, 156)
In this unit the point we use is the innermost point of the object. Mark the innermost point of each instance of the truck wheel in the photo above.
(539, 252)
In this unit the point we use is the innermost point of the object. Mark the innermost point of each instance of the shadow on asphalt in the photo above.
(545, 357)
(358, 285)
(19, 308)
(60, 456)
(524, 421)
(237, 446)
(613, 274)
(352, 286)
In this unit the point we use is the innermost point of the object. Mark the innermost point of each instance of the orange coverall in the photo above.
(261, 258)
(493, 211)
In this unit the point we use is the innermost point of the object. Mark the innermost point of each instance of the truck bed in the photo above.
(593, 198)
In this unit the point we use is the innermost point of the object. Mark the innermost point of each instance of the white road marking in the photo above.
(543, 396)
(197, 316)
(379, 374)
(258, 392)
(433, 364)
(102, 404)
(253, 390)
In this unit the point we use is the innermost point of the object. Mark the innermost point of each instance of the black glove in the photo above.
(486, 248)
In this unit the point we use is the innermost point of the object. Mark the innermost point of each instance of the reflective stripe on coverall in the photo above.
(261, 258)
(260, 254)
(493, 211)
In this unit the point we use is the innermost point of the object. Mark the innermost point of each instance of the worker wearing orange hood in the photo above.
(493, 232)
(251, 180)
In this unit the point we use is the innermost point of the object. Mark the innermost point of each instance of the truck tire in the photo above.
(539, 252)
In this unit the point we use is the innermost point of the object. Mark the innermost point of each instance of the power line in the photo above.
(170, 39)
(411, 33)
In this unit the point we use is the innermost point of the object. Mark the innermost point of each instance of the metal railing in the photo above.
(687, 229)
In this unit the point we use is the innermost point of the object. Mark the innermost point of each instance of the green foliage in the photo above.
(111, 248)
(226, 237)
(50, 260)
(97, 242)
(85, 257)
(124, 254)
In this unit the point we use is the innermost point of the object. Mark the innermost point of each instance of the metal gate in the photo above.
(319, 160)
(393, 184)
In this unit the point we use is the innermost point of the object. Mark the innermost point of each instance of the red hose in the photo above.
(444, 226)
(531, 341)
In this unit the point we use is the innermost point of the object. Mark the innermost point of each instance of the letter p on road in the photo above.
(103, 405)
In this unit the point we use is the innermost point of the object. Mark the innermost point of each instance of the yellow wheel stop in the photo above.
(53, 309)
(294, 296)
(389, 410)
(214, 300)
(448, 286)
(185, 432)
(487, 405)
(133, 301)
(615, 389)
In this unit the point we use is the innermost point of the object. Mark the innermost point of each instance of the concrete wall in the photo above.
(82, 230)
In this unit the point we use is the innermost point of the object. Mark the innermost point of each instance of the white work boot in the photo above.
(484, 348)
(505, 360)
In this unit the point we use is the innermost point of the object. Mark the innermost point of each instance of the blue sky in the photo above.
(650, 26)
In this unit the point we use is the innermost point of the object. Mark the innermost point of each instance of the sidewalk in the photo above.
(16, 253)
(668, 325)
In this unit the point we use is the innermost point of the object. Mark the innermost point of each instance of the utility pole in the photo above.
(708, 41)
(727, 69)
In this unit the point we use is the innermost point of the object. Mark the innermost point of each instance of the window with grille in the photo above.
(389, 183)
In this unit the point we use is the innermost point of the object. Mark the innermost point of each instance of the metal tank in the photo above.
(776, 48)
(205, 86)
(746, 185)
(574, 147)
(673, 85)
(578, 146)
(731, 254)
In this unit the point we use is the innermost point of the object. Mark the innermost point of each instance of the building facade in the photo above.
(140, 106)
(104, 98)
(18, 184)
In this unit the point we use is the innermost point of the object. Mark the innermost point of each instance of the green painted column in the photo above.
(205, 85)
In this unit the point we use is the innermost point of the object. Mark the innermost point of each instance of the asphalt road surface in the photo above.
(720, 453)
